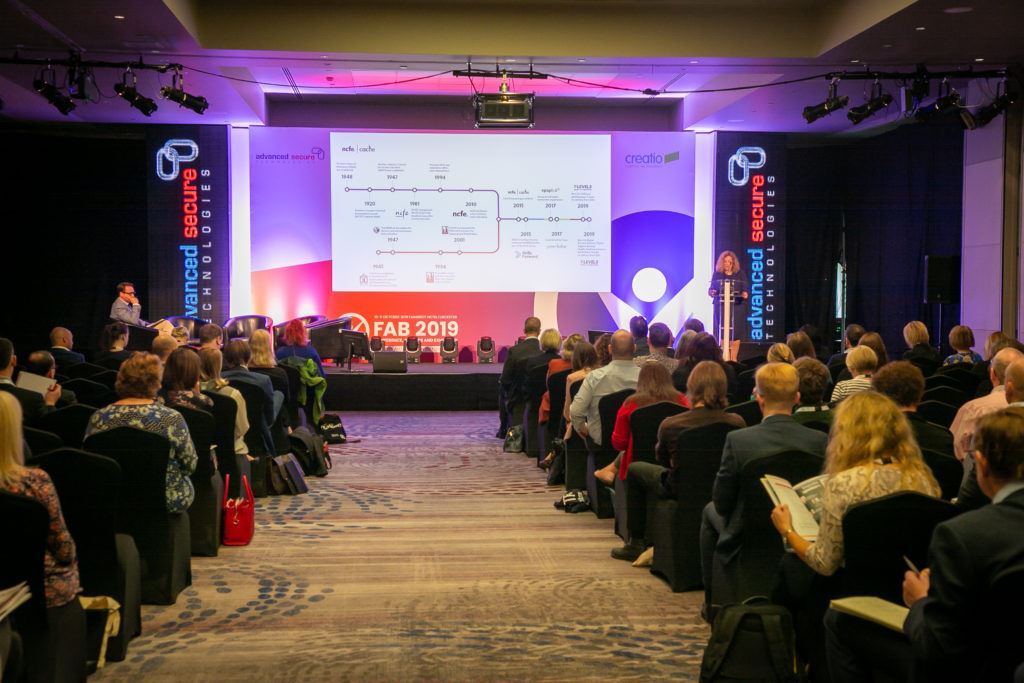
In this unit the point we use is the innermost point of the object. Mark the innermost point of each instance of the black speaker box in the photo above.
(752, 350)
(389, 361)
(941, 279)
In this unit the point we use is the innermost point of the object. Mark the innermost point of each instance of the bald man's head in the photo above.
(61, 336)
(622, 345)
(1001, 361)
(1014, 381)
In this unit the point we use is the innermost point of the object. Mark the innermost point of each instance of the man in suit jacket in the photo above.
(33, 405)
(903, 382)
(722, 525)
(61, 343)
(237, 355)
(42, 363)
(513, 375)
(954, 631)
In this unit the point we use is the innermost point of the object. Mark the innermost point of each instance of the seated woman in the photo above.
(801, 345)
(137, 384)
(961, 338)
(584, 360)
(556, 365)
(180, 384)
(654, 385)
(702, 347)
(780, 353)
(296, 344)
(263, 359)
(113, 339)
(603, 347)
(861, 362)
(211, 361)
(915, 334)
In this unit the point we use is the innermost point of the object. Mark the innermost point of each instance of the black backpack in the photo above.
(331, 428)
(752, 641)
(311, 452)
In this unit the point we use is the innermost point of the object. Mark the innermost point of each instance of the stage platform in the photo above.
(426, 386)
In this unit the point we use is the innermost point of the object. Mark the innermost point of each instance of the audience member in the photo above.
(237, 355)
(511, 394)
(210, 361)
(851, 337)
(777, 392)
(180, 335)
(550, 351)
(619, 374)
(603, 347)
(163, 346)
(814, 385)
(861, 361)
(659, 338)
(211, 336)
(1015, 384)
(702, 347)
(996, 342)
(42, 363)
(126, 307)
(915, 334)
(638, 328)
(903, 382)
(801, 345)
(873, 341)
(61, 343)
(33, 404)
(814, 334)
(654, 385)
(560, 364)
(970, 412)
(693, 324)
(779, 353)
(683, 345)
(961, 339)
(113, 341)
(954, 631)
(262, 345)
(138, 382)
(584, 361)
(706, 390)
(296, 344)
(180, 384)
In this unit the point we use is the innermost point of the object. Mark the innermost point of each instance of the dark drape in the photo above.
(80, 196)
(900, 194)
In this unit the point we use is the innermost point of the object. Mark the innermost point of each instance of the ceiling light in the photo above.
(887, 45)
(694, 61)
(45, 87)
(855, 61)
(323, 56)
(403, 67)
(979, 59)
(119, 17)
(833, 102)
(130, 95)
(919, 28)
(510, 60)
(877, 102)
(581, 60)
(958, 10)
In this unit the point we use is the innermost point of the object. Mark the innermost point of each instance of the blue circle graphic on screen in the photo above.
(652, 258)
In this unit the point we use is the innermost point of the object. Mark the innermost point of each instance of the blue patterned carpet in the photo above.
(426, 554)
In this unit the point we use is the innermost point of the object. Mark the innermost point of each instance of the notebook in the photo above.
(36, 383)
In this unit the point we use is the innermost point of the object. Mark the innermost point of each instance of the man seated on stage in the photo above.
(33, 405)
(126, 307)
(659, 339)
(211, 336)
(237, 355)
(513, 375)
(621, 373)
(42, 363)
(61, 343)
(638, 328)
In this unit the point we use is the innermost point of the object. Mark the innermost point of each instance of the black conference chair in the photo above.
(107, 378)
(948, 471)
(599, 456)
(91, 393)
(818, 425)
(279, 430)
(40, 441)
(575, 453)
(113, 363)
(291, 399)
(242, 326)
(228, 462)
(556, 399)
(966, 378)
(938, 412)
(752, 570)
(534, 386)
(950, 395)
(161, 537)
(926, 366)
(674, 529)
(258, 438)
(643, 426)
(69, 423)
(205, 512)
(754, 362)
(750, 411)
(745, 385)
(82, 370)
(53, 637)
(935, 381)
(89, 487)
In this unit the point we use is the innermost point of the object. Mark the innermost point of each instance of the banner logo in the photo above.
(169, 154)
(742, 161)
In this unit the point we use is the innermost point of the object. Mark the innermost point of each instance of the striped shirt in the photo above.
(850, 386)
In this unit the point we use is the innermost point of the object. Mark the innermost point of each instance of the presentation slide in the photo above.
(470, 213)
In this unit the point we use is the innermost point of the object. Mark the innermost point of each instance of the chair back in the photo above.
(608, 407)
(91, 393)
(69, 423)
(950, 395)
(1001, 650)
(927, 366)
(535, 383)
(224, 413)
(753, 362)
(40, 441)
(643, 427)
(966, 378)
(948, 471)
(745, 385)
(935, 381)
(698, 459)
(878, 533)
(243, 326)
(203, 430)
(143, 459)
(112, 362)
(292, 397)
(89, 487)
(953, 367)
(306, 320)
(556, 396)
(82, 370)
(107, 378)
(23, 535)
(750, 411)
(278, 380)
(188, 322)
(254, 410)
(938, 412)
(575, 389)
(819, 425)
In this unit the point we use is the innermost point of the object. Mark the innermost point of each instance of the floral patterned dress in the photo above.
(169, 424)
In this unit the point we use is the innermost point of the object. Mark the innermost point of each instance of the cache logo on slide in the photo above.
(169, 158)
(742, 161)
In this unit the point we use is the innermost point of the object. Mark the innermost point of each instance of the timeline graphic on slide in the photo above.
(422, 212)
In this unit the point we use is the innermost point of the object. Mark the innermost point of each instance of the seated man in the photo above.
(707, 391)
(33, 405)
(163, 346)
(815, 381)
(777, 391)
(237, 355)
(621, 373)
(972, 411)
(211, 336)
(659, 340)
(61, 343)
(42, 363)
(513, 375)
(903, 382)
(126, 307)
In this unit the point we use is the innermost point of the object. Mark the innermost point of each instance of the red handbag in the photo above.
(239, 520)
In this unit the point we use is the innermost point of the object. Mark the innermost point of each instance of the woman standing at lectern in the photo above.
(727, 267)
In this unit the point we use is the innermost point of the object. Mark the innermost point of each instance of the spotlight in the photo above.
(176, 93)
(941, 106)
(45, 87)
(376, 344)
(412, 350)
(833, 102)
(130, 95)
(485, 350)
(988, 112)
(449, 350)
(878, 101)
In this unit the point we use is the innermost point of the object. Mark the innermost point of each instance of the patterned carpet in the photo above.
(426, 554)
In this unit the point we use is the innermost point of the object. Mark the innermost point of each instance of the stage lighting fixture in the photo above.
(176, 93)
(412, 350)
(130, 95)
(833, 102)
(449, 350)
(45, 87)
(376, 344)
(988, 112)
(942, 105)
(877, 102)
(485, 350)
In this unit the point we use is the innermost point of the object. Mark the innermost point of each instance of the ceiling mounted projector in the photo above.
(503, 110)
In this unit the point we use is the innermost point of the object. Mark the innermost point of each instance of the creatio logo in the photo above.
(651, 159)
(742, 161)
(169, 155)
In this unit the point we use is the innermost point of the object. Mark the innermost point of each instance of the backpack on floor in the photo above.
(311, 452)
(514, 440)
(751, 641)
(331, 429)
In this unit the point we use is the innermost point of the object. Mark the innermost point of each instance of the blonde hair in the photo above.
(720, 263)
(861, 360)
(550, 340)
(869, 426)
(777, 383)
(211, 361)
(12, 457)
(262, 347)
(569, 345)
(780, 353)
(915, 332)
(180, 334)
(961, 337)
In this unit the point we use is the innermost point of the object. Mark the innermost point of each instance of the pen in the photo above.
(911, 565)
